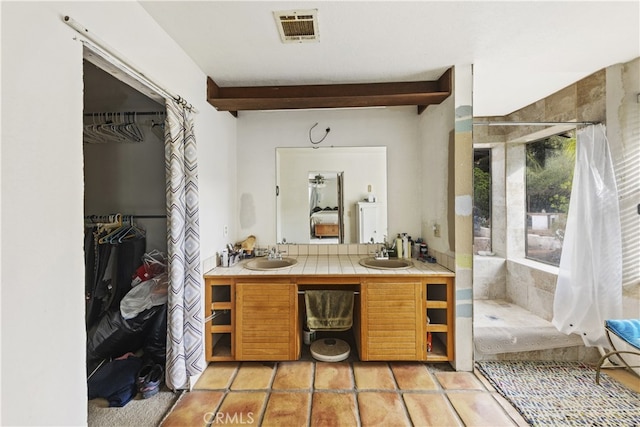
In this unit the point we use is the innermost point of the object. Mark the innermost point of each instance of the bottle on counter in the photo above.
(399, 246)
(225, 258)
(370, 197)
(405, 246)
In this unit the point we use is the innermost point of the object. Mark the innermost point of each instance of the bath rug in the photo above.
(562, 393)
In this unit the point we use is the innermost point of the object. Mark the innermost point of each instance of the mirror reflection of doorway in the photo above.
(326, 202)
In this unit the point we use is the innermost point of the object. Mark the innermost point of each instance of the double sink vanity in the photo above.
(403, 309)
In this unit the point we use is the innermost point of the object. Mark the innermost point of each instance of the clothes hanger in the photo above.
(91, 134)
(133, 130)
(111, 128)
(130, 233)
(118, 225)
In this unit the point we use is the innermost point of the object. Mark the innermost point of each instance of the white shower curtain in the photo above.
(589, 286)
(185, 346)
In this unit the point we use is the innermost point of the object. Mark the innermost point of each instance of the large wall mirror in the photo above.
(331, 195)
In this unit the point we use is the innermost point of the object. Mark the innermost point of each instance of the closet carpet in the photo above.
(138, 412)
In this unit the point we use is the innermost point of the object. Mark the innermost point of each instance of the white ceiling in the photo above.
(521, 51)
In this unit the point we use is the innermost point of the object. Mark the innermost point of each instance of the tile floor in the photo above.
(307, 393)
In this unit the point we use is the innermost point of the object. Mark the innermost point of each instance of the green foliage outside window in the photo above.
(550, 173)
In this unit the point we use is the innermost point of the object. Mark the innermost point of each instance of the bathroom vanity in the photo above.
(403, 314)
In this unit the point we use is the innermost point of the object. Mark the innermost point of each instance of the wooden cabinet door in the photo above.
(392, 320)
(266, 321)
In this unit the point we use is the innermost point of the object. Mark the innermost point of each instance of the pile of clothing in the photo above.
(126, 348)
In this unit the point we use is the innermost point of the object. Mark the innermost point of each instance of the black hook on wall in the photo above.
(327, 130)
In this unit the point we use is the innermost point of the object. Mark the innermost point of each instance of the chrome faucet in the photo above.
(274, 254)
(382, 254)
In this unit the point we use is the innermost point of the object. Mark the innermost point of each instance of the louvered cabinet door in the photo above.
(392, 319)
(266, 321)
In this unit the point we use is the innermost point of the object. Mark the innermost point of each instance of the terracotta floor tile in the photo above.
(413, 376)
(194, 409)
(479, 409)
(373, 376)
(241, 408)
(293, 376)
(253, 376)
(510, 410)
(483, 380)
(333, 376)
(382, 409)
(459, 381)
(287, 410)
(430, 409)
(333, 409)
(217, 376)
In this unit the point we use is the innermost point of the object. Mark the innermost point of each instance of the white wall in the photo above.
(436, 127)
(623, 122)
(43, 337)
(259, 133)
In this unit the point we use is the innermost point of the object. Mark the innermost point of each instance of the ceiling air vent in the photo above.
(298, 26)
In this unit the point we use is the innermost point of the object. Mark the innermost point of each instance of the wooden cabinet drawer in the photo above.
(326, 230)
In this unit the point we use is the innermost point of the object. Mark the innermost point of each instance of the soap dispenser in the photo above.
(399, 246)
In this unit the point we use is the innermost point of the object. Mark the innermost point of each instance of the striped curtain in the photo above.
(185, 346)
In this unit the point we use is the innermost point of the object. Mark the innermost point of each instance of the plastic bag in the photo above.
(144, 296)
(154, 263)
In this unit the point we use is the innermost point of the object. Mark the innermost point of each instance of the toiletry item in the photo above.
(308, 335)
(370, 197)
(225, 258)
(399, 246)
(423, 250)
(405, 246)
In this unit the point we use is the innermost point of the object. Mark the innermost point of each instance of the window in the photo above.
(549, 174)
(481, 200)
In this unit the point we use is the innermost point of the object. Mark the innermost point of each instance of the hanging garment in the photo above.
(589, 286)
(108, 271)
(97, 276)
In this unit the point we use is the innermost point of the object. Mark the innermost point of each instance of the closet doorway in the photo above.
(124, 173)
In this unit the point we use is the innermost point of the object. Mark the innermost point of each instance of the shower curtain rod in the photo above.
(532, 123)
(101, 48)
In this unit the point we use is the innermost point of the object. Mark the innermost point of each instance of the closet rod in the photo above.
(128, 216)
(107, 53)
(532, 123)
(137, 113)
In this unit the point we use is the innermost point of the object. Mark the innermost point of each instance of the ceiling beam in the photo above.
(420, 94)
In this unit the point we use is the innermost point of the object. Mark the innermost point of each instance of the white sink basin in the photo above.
(270, 264)
(387, 264)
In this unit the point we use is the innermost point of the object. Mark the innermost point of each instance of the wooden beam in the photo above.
(421, 94)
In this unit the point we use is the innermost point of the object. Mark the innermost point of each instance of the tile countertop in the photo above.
(331, 265)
